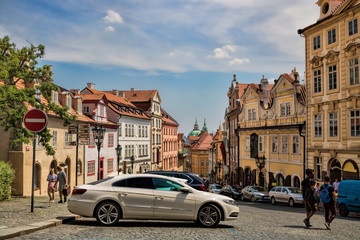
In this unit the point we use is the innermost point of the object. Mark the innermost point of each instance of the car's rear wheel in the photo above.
(253, 198)
(343, 210)
(209, 216)
(107, 213)
(291, 202)
(273, 201)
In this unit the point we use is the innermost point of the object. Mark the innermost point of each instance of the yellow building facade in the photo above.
(275, 115)
(333, 92)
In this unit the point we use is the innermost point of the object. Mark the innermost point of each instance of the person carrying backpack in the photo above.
(327, 196)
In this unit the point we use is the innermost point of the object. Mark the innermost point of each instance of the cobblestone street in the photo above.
(256, 221)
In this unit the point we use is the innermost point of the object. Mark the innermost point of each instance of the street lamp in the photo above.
(132, 160)
(260, 163)
(219, 164)
(98, 133)
(145, 166)
(118, 153)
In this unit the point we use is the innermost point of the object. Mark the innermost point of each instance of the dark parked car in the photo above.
(255, 193)
(231, 191)
(193, 180)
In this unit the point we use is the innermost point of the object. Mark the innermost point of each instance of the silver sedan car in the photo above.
(255, 193)
(289, 195)
(148, 196)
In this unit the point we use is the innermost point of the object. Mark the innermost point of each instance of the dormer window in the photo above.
(79, 106)
(68, 101)
(55, 98)
(325, 8)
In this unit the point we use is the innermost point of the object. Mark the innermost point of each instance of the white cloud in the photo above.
(239, 61)
(113, 17)
(223, 52)
(109, 29)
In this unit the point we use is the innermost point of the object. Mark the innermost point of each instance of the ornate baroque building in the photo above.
(332, 46)
(270, 126)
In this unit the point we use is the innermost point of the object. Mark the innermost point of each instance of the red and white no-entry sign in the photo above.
(35, 120)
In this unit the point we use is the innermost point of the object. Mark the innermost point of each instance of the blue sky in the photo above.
(186, 49)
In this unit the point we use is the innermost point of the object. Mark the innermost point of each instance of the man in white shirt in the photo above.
(336, 185)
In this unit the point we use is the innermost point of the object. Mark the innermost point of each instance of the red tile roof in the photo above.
(204, 142)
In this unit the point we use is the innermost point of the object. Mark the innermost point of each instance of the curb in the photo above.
(33, 227)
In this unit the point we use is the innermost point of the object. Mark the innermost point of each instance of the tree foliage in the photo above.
(21, 65)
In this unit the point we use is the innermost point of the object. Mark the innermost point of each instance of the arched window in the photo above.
(288, 181)
(296, 181)
(350, 170)
(280, 180)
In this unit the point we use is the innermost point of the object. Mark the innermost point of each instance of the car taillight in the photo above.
(78, 191)
(203, 188)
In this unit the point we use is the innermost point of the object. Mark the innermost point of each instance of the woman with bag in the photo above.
(51, 178)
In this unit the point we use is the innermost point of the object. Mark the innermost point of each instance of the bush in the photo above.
(7, 175)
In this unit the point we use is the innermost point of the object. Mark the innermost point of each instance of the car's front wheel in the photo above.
(253, 198)
(209, 216)
(107, 213)
(273, 201)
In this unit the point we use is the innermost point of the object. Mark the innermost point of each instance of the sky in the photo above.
(188, 50)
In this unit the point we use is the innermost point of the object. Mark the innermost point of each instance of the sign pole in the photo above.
(77, 155)
(33, 174)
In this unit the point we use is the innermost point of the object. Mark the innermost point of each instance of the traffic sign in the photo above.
(35, 120)
(72, 129)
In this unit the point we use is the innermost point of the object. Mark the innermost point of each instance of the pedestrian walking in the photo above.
(62, 184)
(51, 178)
(308, 187)
(328, 195)
(317, 196)
(336, 185)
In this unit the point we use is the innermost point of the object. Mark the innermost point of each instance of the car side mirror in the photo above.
(185, 190)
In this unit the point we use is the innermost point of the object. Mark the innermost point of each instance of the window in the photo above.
(295, 144)
(166, 185)
(316, 42)
(318, 168)
(67, 139)
(317, 81)
(120, 130)
(355, 123)
(110, 165)
(251, 114)
(284, 144)
(354, 71)
(261, 143)
(274, 144)
(332, 77)
(333, 125)
(86, 109)
(110, 140)
(91, 167)
(318, 125)
(54, 140)
(331, 36)
(202, 163)
(102, 111)
(353, 27)
(247, 144)
(55, 98)
(140, 182)
(285, 109)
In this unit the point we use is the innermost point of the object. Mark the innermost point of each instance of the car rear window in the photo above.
(141, 182)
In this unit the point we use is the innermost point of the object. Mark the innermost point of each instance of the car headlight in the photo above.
(229, 201)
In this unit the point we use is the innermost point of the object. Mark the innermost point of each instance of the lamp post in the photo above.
(98, 133)
(260, 163)
(118, 153)
(219, 164)
(145, 166)
(132, 160)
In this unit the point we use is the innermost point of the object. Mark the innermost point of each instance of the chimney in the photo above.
(132, 89)
(91, 85)
(122, 94)
(116, 92)
(75, 91)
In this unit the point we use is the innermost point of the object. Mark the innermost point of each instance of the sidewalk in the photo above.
(16, 218)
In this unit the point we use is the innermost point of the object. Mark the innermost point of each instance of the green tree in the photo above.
(21, 65)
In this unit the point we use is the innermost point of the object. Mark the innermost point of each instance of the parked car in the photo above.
(231, 191)
(215, 188)
(289, 195)
(148, 196)
(193, 180)
(255, 193)
(348, 199)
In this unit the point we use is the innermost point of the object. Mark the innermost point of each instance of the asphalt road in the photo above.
(256, 221)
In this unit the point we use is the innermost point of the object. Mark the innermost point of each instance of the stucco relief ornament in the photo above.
(302, 111)
(241, 118)
(268, 115)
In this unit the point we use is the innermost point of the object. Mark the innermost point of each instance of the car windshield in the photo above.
(236, 188)
(258, 189)
(295, 190)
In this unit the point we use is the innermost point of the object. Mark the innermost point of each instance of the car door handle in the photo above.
(122, 194)
(159, 197)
